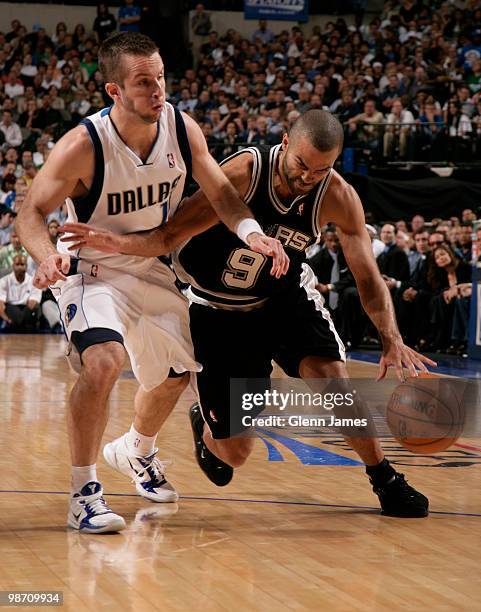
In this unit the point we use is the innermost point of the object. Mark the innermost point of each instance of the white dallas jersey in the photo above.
(128, 195)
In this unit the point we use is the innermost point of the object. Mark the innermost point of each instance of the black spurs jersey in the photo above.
(222, 271)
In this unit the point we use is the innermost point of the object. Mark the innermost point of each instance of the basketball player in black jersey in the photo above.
(242, 317)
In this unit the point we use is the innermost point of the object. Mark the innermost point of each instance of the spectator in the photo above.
(29, 118)
(201, 25)
(47, 116)
(447, 276)
(413, 297)
(392, 262)
(10, 251)
(19, 299)
(337, 285)
(7, 217)
(263, 34)
(129, 17)
(459, 128)
(398, 130)
(464, 246)
(377, 245)
(7, 197)
(367, 126)
(430, 132)
(392, 92)
(186, 104)
(105, 23)
(11, 130)
(474, 79)
(14, 88)
(346, 108)
(468, 216)
(417, 223)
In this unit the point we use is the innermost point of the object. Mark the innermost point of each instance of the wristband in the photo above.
(246, 227)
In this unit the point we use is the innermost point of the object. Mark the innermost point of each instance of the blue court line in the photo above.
(309, 454)
(464, 368)
(272, 452)
(248, 501)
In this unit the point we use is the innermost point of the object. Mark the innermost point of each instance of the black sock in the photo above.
(381, 473)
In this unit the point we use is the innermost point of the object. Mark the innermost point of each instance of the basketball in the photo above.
(425, 414)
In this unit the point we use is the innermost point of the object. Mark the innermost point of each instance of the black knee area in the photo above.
(95, 335)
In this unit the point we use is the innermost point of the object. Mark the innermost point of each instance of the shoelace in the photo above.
(97, 506)
(155, 470)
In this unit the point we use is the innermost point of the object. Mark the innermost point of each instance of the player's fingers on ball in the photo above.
(416, 358)
(382, 370)
(400, 372)
(411, 368)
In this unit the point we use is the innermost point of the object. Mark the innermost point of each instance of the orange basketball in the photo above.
(425, 414)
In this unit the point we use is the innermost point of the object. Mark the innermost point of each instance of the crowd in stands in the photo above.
(427, 268)
(405, 84)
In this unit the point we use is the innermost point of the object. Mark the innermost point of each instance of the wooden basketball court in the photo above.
(284, 535)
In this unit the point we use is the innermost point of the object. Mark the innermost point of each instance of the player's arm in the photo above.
(348, 215)
(226, 202)
(193, 217)
(71, 159)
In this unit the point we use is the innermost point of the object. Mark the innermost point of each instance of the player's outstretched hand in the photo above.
(82, 235)
(52, 269)
(272, 248)
(397, 355)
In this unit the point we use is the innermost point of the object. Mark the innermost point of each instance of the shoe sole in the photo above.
(407, 516)
(109, 456)
(172, 496)
(114, 527)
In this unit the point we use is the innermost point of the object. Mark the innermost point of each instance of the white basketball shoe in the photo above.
(89, 512)
(146, 472)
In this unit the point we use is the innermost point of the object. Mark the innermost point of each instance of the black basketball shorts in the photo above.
(242, 344)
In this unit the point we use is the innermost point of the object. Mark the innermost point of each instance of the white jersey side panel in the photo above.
(128, 195)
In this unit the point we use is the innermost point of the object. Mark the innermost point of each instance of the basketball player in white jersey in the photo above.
(125, 168)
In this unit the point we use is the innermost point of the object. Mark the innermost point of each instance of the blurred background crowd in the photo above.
(405, 82)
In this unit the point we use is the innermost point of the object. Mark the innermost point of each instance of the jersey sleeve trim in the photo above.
(256, 170)
(85, 205)
(321, 192)
(184, 147)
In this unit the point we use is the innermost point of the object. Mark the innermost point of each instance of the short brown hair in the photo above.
(116, 46)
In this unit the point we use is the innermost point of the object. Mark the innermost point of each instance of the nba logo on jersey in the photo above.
(171, 160)
(94, 270)
(70, 313)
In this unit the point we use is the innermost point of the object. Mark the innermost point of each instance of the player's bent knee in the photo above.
(236, 451)
(103, 361)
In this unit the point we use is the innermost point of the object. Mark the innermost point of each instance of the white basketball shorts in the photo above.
(148, 311)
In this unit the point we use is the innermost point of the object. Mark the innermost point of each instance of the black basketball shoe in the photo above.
(400, 499)
(216, 470)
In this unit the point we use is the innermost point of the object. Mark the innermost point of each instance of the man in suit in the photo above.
(392, 262)
(412, 297)
(336, 283)
(331, 270)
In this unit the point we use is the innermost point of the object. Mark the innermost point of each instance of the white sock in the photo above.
(140, 445)
(82, 475)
